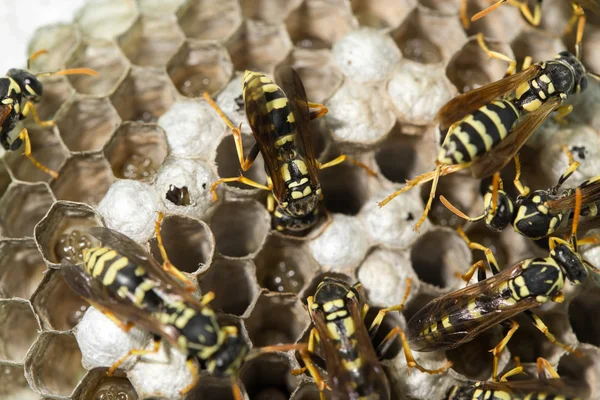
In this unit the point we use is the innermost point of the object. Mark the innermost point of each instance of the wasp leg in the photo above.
(381, 314)
(467, 276)
(544, 329)
(589, 240)
(464, 17)
(561, 113)
(488, 10)
(125, 327)
(235, 388)
(534, 18)
(512, 64)
(24, 136)
(167, 264)
(313, 335)
(245, 163)
(195, 376)
(341, 159)
(271, 203)
(317, 110)
(523, 190)
(515, 371)
(543, 364)
(310, 366)
(410, 360)
(500, 346)
(241, 179)
(30, 108)
(579, 17)
(496, 186)
(573, 165)
(489, 256)
(134, 352)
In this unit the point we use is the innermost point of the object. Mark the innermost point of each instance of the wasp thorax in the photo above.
(228, 359)
(502, 216)
(569, 260)
(30, 86)
(533, 218)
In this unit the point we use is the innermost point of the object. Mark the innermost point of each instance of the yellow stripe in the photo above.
(270, 88)
(99, 264)
(277, 104)
(496, 120)
(113, 269)
(141, 290)
(182, 321)
(284, 139)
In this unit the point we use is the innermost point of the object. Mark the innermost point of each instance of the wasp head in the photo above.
(502, 216)
(31, 87)
(569, 260)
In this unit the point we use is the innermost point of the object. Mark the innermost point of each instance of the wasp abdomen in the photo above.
(478, 132)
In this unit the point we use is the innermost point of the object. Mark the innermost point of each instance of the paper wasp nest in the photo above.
(122, 139)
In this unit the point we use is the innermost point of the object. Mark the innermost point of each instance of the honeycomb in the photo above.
(123, 140)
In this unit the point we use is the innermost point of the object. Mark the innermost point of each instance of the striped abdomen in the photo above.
(478, 132)
(122, 277)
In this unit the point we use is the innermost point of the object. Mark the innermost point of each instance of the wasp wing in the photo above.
(138, 255)
(589, 194)
(96, 294)
(497, 158)
(530, 386)
(5, 110)
(469, 311)
(463, 104)
(263, 130)
(291, 84)
(592, 5)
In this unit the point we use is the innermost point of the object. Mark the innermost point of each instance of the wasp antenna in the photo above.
(594, 76)
(488, 10)
(576, 212)
(72, 71)
(459, 213)
(495, 187)
(34, 56)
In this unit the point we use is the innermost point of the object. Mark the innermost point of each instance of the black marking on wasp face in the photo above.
(504, 213)
(575, 81)
(31, 87)
(570, 261)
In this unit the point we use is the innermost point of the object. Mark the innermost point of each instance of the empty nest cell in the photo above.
(22, 207)
(21, 268)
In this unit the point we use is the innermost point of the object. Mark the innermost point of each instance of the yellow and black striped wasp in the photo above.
(458, 317)
(553, 388)
(337, 311)
(280, 115)
(540, 213)
(19, 91)
(124, 282)
(486, 127)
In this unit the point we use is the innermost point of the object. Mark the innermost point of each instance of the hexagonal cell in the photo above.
(306, 391)
(63, 219)
(317, 24)
(268, 11)
(200, 67)
(189, 243)
(209, 387)
(56, 305)
(259, 46)
(582, 317)
(240, 228)
(151, 41)
(159, 7)
(440, 257)
(13, 385)
(97, 386)
(85, 178)
(58, 40)
(276, 318)
(19, 329)
(471, 68)
(233, 283)
(345, 188)
(320, 77)
(136, 151)
(46, 147)
(85, 123)
(106, 19)
(591, 38)
(4, 179)
(54, 352)
(268, 377)
(417, 43)
(283, 265)
(228, 165)
(503, 24)
(581, 371)
(208, 20)
(23, 206)
(57, 90)
(21, 268)
(144, 95)
(106, 59)
(538, 44)
(382, 14)
(473, 359)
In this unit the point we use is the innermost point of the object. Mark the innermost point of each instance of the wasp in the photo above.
(19, 91)
(540, 213)
(338, 312)
(279, 116)
(553, 388)
(124, 282)
(486, 127)
(458, 317)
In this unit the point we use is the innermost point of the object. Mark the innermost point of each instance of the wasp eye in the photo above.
(583, 84)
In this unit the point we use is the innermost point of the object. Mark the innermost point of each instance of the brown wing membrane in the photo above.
(93, 291)
(497, 158)
(492, 306)
(529, 386)
(589, 194)
(262, 128)
(291, 84)
(137, 254)
(592, 5)
(457, 108)
(5, 110)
